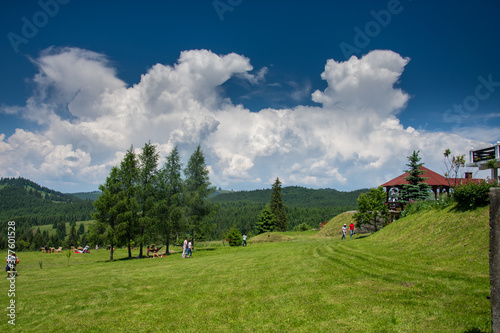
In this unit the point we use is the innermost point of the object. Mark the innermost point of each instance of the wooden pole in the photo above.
(495, 258)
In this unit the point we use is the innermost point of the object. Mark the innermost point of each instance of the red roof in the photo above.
(433, 179)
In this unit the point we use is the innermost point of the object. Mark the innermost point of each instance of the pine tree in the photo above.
(73, 237)
(148, 164)
(169, 197)
(277, 206)
(81, 229)
(416, 189)
(199, 189)
(110, 206)
(128, 178)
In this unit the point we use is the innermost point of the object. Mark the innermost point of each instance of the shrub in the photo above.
(235, 236)
(302, 227)
(423, 205)
(472, 195)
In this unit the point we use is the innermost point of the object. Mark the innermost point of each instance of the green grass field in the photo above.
(424, 273)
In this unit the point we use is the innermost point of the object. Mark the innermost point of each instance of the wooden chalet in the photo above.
(436, 182)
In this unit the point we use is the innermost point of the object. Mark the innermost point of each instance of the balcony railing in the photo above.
(485, 154)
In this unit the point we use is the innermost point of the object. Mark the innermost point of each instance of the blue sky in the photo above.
(269, 89)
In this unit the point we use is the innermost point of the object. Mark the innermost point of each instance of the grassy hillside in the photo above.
(87, 195)
(423, 273)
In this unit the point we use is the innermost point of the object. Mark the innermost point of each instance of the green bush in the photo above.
(235, 236)
(423, 205)
(472, 195)
(302, 227)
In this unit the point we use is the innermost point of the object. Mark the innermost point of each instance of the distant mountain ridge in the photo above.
(295, 196)
(37, 190)
(27, 202)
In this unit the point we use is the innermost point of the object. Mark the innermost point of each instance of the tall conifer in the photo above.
(416, 189)
(129, 178)
(198, 188)
(277, 206)
(147, 172)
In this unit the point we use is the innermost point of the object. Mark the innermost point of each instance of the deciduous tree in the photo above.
(371, 208)
(453, 165)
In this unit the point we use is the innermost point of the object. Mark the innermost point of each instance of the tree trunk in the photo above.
(111, 251)
(128, 245)
(140, 246)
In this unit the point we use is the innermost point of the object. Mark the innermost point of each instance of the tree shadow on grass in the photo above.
(462, 208)
(361, 237)
(474, 330)
(206, 249)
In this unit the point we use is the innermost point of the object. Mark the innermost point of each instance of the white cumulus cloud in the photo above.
(90, 117)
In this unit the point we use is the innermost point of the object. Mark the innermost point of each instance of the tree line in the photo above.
(141, 203)
(163, 207)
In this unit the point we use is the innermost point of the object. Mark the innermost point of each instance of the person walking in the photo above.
(184, 247)
(344, 229)
(245, 240)
(351, 228)
(189, 251)
(12, 262)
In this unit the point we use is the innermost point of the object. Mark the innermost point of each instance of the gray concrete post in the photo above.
(495, 258)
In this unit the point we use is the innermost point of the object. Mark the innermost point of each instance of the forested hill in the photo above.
(35, 189)
(302, 206)
(295, 196)
(29, 203)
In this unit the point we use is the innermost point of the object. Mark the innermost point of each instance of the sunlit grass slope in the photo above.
(423, 273)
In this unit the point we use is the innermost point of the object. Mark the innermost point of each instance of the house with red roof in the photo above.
(437, 183)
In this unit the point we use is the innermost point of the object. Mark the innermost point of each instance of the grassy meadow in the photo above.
(423, 273)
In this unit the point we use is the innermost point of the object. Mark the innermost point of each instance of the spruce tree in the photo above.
(416, 189)
(266, 221)
(277, 206)
(234, 236)
(73, 237)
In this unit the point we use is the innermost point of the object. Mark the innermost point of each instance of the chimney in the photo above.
(468, 175)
